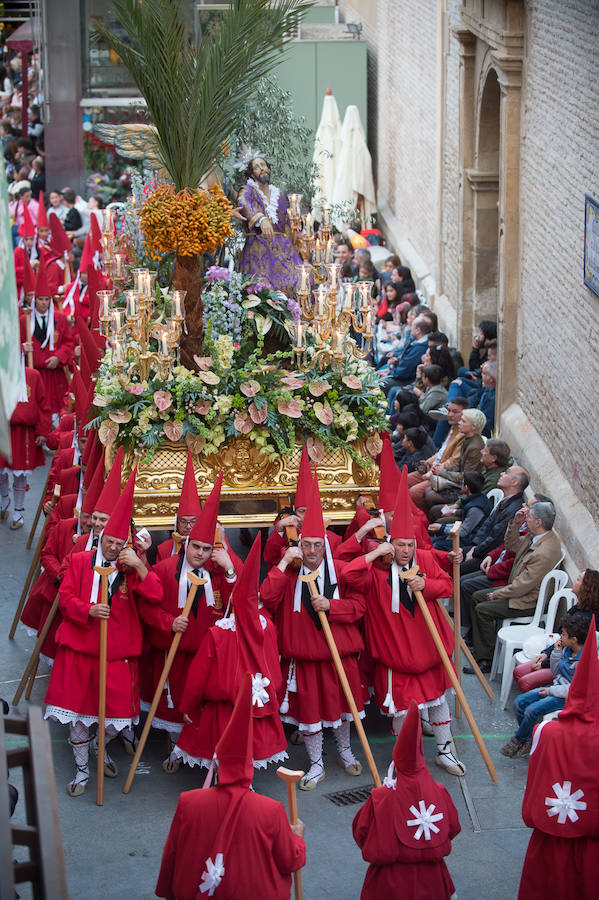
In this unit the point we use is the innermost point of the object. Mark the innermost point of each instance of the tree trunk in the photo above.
(188, 277)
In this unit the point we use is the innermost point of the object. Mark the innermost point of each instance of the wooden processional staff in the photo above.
(310, 579)
(195, 581)
(103, 572)
(291, 778)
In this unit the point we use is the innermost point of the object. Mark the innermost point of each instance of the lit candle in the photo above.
(118, 265)
(108, 221)
(326, 216)
(165, 344)
(329, 257)
(300, 335)
(104, 303)
(294, 204)
(322, 299)
(116, 319)
(132, 303)
(318, 251)
(304, 282)
(117, 352)
(308, 224)
(333, 275)
(177, 305)
(369, 320)
(337, 342)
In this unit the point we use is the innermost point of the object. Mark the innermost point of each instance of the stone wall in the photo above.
(558, 340)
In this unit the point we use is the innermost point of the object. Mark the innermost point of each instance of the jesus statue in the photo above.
(268, 253)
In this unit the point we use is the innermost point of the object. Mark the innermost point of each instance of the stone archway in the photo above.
(491, 51)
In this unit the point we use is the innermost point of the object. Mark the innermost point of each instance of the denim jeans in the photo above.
(530, 707)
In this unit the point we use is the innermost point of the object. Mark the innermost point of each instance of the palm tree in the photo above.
(194, 93)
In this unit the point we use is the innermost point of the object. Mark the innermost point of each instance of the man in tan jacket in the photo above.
(536, 553)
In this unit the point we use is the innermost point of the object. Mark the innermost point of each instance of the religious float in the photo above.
(218, 359)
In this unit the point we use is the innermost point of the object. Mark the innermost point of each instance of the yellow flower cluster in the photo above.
(186, 222)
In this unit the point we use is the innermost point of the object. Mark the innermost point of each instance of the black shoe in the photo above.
(484, 665)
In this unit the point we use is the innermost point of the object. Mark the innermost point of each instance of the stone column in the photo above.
(509, 71)
(63, 133)
(467, 47)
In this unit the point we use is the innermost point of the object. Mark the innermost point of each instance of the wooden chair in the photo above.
(45, 869)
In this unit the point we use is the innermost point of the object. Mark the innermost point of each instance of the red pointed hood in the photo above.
(79, 390)
(93, 353)
(250, 633)
(562, 788)
(27, 228)
(389, 476)
(407, 753)
(189, 503)
(28, 276)
(42, 285)
(59, 240)
(92, 458)
(304, 480)
(416, 798)
(42, 217)
(119, 524)
(234, 749)
(68, 479)
(112, 488)
(86, 254)
(205, 526)
(313, 524)
(96, 236)
(402, 525)
(96, 484)
(85, 368)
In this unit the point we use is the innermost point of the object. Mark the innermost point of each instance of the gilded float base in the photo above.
(252, 483)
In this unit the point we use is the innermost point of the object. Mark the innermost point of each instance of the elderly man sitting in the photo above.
(536, 553)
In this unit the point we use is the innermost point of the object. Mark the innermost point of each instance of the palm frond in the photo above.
(194, 94)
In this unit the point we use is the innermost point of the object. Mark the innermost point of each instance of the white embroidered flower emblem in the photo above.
(424, 820)
(259, 692)
(565, 803)
(213, 875)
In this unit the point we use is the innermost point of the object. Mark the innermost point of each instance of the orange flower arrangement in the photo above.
(186, 222)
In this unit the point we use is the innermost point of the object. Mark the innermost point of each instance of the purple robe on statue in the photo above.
(273, 260)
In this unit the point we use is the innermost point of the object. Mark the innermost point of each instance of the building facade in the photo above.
(485, 127)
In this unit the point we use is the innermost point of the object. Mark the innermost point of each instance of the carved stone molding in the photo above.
(483, 181)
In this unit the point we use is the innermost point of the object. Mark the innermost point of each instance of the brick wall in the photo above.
(448, 275)
(558, 365)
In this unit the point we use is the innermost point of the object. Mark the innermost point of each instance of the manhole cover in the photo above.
(351, 796)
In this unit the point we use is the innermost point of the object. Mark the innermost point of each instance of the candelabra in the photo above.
(329, 314)
(129, 330)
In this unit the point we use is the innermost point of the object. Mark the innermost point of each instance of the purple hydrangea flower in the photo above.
(217, 273)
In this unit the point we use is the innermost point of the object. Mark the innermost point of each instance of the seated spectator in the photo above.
(365, 271)
(434, 394)
(55, 205)
(403, 277)
(535, 554)
(388, 301)
(486, 402)
(472, 507)
(6, 133)
(38, 179)
(447, 454)
(390, 263)
(95, 206)
(72, 221)
(361, 256)
(404, 371)
(445, 482)
(487, 331)
(533, 705)
(405, 420)
(495, 457)
(417, 445)
(513, 482)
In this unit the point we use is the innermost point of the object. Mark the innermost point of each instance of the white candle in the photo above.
(322, 297)
(334, 277)
(304, 282)
(300, 335)
(329, 257)
(164, 344)
(294, 204)
(308, 224)
(326, 216)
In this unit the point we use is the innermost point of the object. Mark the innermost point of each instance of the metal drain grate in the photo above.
(351, 796)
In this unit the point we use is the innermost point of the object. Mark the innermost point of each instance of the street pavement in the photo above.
(114, 851)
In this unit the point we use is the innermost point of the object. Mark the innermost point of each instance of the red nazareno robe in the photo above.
(213, 684)
(73, 684)
(401, 864)
(400, 642)
(158, 634)
(318, 699)
(263, 854)
(54, 380)
(29, 419)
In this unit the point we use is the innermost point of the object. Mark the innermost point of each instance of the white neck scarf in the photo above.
(328, 559)
(69, 300)
(395, 570)
(271, 206)
(185, 585)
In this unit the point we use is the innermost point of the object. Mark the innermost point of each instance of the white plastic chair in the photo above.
(496, 495)
(512, 637)
(538, 639)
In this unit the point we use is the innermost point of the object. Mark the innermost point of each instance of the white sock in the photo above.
(4, 495)
(343, 743)
(313, 744)
(440, 719)
(19, 486)
(79, 741)
(397, 722)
